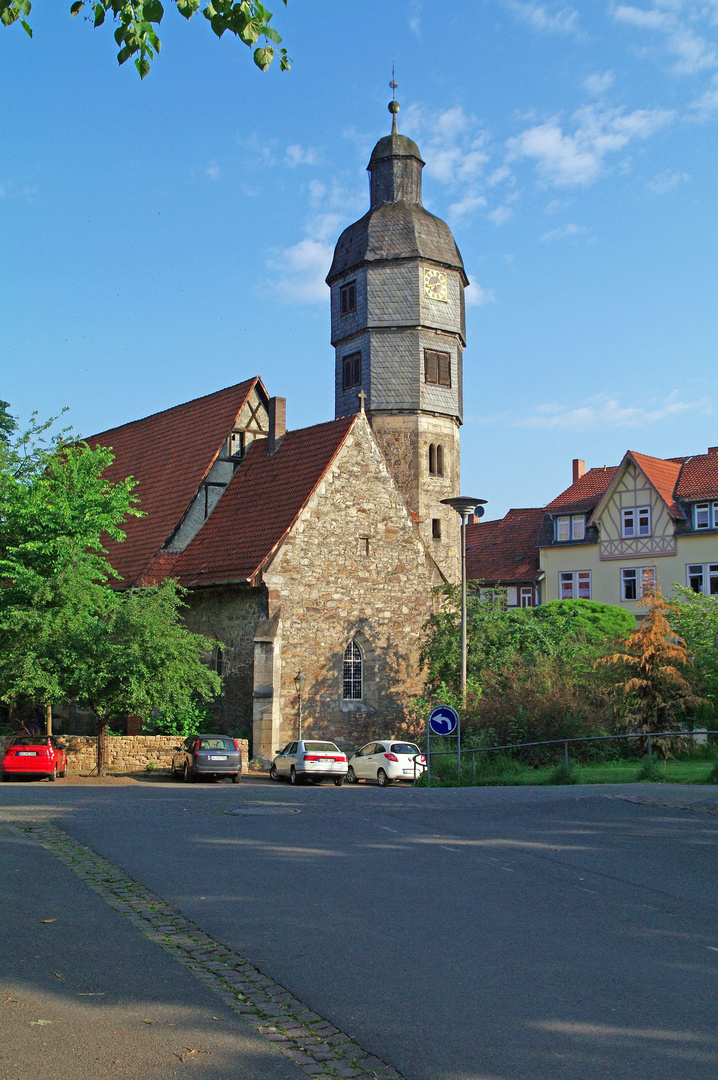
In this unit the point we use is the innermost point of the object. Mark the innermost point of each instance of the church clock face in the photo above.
(435, 286)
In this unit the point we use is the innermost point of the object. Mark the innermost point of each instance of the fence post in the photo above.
(473, 765)
(650, 749)
(565, 753)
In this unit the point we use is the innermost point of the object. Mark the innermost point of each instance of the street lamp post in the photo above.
(299, 681)
(463, 506)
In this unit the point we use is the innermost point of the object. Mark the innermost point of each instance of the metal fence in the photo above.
(689, 736)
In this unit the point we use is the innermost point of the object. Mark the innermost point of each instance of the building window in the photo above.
(437, 367)
(439, 460)
(636, 580)
(217, 661)
(364, 546)
(527, 596)
(353, 673)
(512, 598)
(636, 521)
(352, 370)
(703, 578)
(432, 460)
(348, 298)
(575, 585)
(571, 527)
(705, 515)
(436, 528)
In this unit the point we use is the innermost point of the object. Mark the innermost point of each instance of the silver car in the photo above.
(310, 759)
(385, 761)
(208, 756)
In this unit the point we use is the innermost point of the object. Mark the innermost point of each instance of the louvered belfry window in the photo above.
(353, 671)
(437, 367)
(352, 370)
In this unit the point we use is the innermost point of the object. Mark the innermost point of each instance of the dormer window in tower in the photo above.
(348, 298)
(437, 368)
(351, 371)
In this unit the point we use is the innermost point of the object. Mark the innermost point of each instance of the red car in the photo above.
(34, 755)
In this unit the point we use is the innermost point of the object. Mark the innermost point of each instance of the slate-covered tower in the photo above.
(398, 327)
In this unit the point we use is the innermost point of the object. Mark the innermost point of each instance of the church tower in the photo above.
(398, 329)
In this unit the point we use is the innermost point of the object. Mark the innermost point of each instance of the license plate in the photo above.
(217, 757)
(27, 753)
(408, 771)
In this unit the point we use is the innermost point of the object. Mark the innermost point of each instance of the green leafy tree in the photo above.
(696, 617)
(8, 424)
(653, 690)
(137, 22)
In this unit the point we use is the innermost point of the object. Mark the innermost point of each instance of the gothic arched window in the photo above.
(439, 460)
(432, 460)
(218, 661)
(353, 673)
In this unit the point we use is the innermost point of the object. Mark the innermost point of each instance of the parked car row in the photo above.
(380, 762)
(34, 755)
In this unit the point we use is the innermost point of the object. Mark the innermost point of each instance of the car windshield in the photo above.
(217, 744)
(30, 740)
(404, 748)
(327, 746)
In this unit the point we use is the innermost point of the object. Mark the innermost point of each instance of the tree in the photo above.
(652, 686)
(137, 22)
(696, 616)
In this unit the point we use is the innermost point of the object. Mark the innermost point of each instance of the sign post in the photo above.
(442, 721)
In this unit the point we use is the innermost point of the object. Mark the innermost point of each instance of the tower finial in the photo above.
(393, 104)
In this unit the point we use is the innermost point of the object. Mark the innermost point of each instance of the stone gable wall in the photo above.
(125, 753)
(329, 591)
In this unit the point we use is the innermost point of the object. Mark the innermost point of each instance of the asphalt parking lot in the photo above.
(480, 934)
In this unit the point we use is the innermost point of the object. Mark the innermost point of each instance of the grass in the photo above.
(501, 771)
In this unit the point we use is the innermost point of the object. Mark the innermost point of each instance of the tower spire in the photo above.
(393, 104)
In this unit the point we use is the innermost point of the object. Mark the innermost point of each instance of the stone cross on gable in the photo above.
(362, 401)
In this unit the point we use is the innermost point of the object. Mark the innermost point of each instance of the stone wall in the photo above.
(353, 567)
(125, 753)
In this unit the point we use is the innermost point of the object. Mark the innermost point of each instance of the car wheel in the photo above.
(293, 778)
(338, 781)
(351, 776)
(382, 779)
(273, 774)
(187, 774)
(235, 778)
(63, 772)
(53, 774)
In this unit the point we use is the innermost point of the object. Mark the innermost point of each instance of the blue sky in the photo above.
(160, 240)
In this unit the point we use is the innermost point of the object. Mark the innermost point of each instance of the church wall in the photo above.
(354, 321)
(395, 363)
(230, 614)
(329, 591)
(392, 294)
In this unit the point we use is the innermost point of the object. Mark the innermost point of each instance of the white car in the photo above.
(310, 759)
(386, 760)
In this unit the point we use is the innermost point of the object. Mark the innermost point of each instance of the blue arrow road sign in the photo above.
(443, 720)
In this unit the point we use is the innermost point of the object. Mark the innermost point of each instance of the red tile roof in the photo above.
(506, 550)
(663, 474)
(699, 478)
(586, 492)
(260, 504)
(169, 453)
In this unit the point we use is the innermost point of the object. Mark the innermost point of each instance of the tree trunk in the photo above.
(101, 765)
(48, 719)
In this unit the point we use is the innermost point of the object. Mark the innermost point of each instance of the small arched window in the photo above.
(218, 661)
(439, 460)
(353, 673)
(432, 460)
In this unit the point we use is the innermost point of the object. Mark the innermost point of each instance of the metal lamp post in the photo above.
(463, 506)
(299, 681)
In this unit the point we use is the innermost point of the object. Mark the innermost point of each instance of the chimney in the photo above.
(713, 449)
(579, 468)
(277, 422)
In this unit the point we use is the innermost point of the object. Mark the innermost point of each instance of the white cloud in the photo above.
(675, 19)
(213, 171)
(300, 155)
(302, 269)
(501, 215)
(667, 181)
(477, 296)
(706, 106)
(607, 411)
(577, 159)
(466, 206)
(565, 232)
(599, 82)
(546, 18)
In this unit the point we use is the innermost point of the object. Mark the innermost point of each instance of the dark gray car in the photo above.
(207, 755)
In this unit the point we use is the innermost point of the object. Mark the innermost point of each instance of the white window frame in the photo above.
(512, 596)
(644, 520)
(575, 579)
(526, 596)
(643, 575)
(570, 527)
(635, 522)
(708, 575)
(711, 512)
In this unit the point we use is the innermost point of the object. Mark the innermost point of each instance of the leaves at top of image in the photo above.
(138, 20)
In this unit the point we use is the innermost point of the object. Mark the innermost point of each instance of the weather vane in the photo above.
(393, 104)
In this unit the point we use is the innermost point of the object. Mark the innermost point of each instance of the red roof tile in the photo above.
(586, 492)
(663, 474)
(169, 453)
(505, 550)
(699, 478)
(260, 504)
